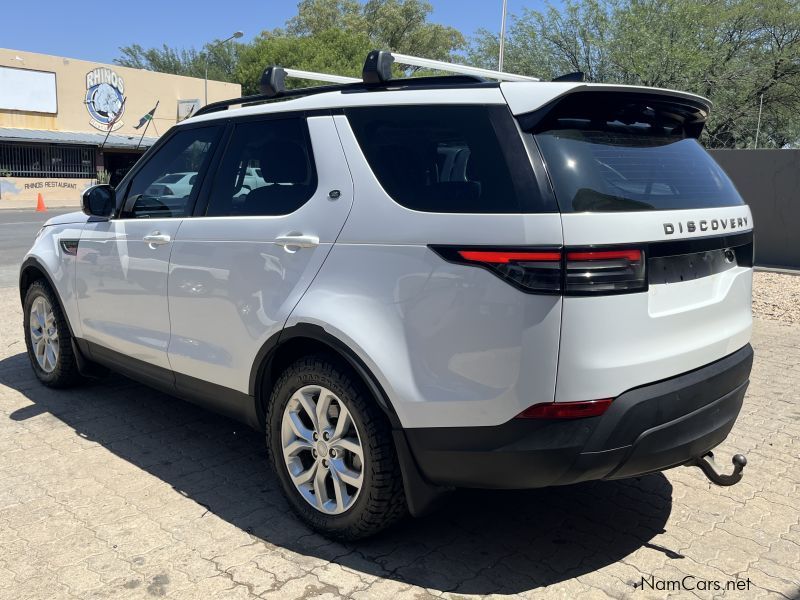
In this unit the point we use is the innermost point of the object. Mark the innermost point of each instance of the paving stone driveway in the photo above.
(116, 491)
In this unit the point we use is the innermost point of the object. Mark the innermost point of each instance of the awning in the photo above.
(115, 140)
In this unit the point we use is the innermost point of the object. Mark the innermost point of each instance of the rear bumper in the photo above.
(647, 429)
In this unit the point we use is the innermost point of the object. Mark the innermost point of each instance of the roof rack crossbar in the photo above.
(320, 76)
(273, 80)
(376, 75)
(439, 65)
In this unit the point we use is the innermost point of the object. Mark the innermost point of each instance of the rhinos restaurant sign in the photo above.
(105, 98)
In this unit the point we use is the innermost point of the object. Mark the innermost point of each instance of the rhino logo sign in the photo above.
(104, 98)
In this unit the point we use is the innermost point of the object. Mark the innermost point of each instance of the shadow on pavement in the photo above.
(480, 542)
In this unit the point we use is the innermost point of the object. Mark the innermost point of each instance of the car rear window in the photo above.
(172, 178)
(630, 153)
(448, 158)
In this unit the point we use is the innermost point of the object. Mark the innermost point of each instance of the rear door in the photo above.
(658, 243)
(280, 196)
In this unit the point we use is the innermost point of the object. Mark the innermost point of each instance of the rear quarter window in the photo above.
(448, 159)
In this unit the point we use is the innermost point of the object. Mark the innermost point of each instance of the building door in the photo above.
(117, 164)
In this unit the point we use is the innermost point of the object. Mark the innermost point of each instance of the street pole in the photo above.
(502, 36)
(758, 125)
(235, 36)
(205, 82)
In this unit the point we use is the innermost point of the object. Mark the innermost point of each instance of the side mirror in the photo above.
(99, 201)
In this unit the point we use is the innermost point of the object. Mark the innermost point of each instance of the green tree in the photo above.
(399, 25)
(222, 60)
(551, 43)
(331, 36)
(402, 26)
(315, 16)
(329, 51)
(731, 51)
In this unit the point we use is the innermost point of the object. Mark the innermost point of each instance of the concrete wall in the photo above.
(769, 181)
(23, 192)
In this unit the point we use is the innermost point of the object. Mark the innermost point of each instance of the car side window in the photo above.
(268, 169)
(166, 186)
(448, 158)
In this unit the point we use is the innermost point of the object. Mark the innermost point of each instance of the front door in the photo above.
(279, 199)
(122, 264)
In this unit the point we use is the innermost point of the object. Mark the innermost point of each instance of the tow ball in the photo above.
(708, 466)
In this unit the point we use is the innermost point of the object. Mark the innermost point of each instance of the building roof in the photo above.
(117, 141)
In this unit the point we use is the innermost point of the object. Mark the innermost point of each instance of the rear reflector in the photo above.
(566, 410)
(631, 255)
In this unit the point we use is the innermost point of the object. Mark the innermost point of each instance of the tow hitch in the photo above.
(708, 466)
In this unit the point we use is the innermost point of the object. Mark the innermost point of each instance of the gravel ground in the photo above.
(776, 296)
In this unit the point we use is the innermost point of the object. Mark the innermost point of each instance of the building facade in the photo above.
(66, 124)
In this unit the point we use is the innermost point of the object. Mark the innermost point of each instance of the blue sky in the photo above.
(94, 31)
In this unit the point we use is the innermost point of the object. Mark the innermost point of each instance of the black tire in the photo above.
(65, 373)
(381, 501)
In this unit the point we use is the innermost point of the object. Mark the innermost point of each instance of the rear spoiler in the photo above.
(526, 97)
(628, 104)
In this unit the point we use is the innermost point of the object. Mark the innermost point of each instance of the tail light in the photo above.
(531, 271)
(571, 271)
(605, 271)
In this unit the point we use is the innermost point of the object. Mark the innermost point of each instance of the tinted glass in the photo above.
(451, 159)
(630, 155)
(171, 178)
(267, 170)
(166, 185)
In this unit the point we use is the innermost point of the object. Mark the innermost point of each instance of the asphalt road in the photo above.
(17, 230)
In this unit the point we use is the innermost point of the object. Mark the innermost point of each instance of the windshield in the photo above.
(629, 155)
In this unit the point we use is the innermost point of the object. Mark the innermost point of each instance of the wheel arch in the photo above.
(302, 339)
(31, 270)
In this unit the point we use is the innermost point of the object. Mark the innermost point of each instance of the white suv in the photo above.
(440, 282)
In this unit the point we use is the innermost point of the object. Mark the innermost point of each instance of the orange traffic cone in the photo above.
(40, 207)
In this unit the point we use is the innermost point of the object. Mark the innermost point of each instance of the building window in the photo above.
(47, 160)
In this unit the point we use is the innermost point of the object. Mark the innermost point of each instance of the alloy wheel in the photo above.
(322, 449)
(44, 334)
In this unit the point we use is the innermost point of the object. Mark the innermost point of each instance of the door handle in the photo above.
(156, 239)
(297, 241)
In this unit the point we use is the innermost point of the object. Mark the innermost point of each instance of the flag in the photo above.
(116, 117)
(147, 118)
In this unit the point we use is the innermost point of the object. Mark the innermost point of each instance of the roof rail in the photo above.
(377, 73)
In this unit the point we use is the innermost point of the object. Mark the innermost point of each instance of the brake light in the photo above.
(531, 270)
(566, 410)
(507, 257)
(570, 271)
